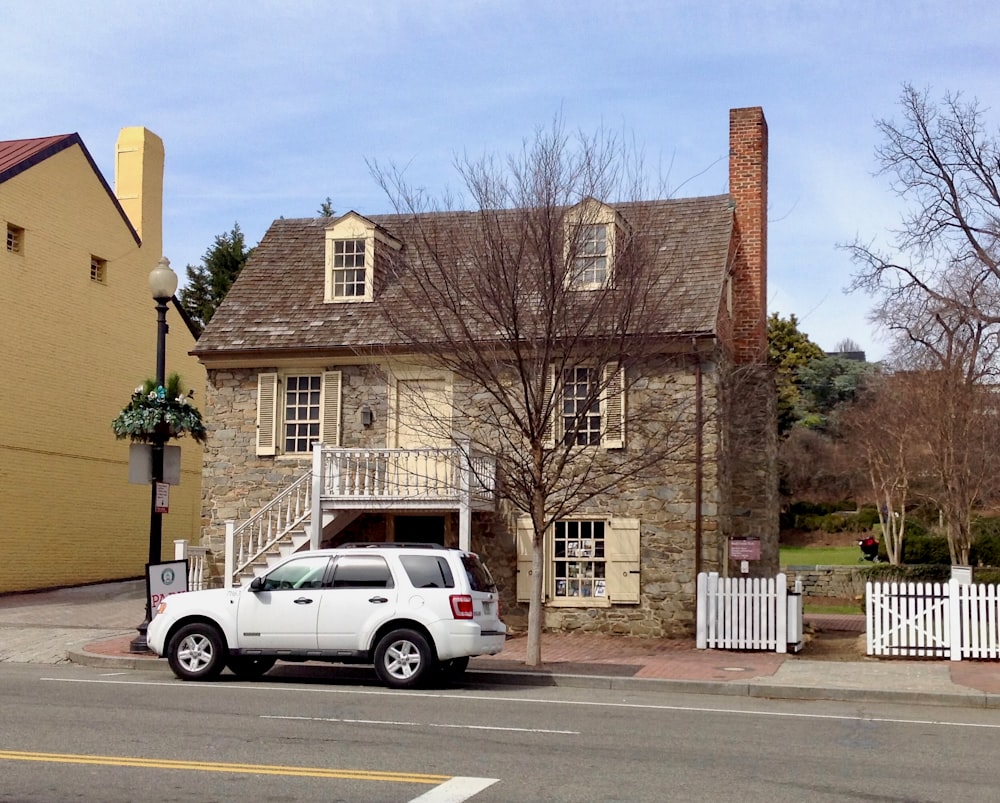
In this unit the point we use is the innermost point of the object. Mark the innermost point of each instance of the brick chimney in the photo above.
(748, 189)
(139, 161)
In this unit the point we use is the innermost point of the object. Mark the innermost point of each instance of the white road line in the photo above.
(419, 724)
(456, 790)
(536, 701)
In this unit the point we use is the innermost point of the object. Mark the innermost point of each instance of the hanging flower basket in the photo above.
(156, 414)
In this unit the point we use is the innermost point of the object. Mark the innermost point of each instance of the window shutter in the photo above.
(525, 538)
(329, 427)
(622, 550)
(267, 419)
(555, 419)
(613, 407)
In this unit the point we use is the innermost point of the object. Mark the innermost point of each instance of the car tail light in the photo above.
(461, 606)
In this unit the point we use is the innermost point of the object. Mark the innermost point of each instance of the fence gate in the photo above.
(911, 619)
(748, 613)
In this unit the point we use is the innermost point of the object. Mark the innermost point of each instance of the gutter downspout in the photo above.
(698, 457)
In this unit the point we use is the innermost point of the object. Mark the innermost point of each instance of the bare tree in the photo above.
(494, 296)
(940, 293)
(881, 427)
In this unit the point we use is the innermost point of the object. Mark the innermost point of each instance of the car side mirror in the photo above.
(257, 584)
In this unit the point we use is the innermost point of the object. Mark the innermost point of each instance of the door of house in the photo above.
(422, 424)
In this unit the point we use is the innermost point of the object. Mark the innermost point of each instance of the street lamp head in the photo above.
(162, 280)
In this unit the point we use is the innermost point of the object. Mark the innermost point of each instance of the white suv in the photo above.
(406, 608)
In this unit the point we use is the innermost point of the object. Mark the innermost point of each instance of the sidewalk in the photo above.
(93, 626)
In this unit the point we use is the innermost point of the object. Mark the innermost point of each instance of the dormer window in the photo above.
(357, 253)
(591, 230)
(591, 262)
(349, 268)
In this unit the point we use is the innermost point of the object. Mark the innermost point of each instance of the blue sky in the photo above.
(267, 108)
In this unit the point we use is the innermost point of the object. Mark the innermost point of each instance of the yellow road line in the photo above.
(210, 766)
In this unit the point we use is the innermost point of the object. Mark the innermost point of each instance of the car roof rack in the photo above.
(389, 544)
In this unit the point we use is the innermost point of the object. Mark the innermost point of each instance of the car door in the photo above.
(362, 596)
(282, 615)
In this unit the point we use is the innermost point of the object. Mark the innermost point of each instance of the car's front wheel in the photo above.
(197, 652)
(249, 667)
(403, 658)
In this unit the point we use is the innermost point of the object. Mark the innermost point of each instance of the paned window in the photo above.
(591, 259)
(98, 270)
(295, 411)
(302, 412)
(578, 564)
(588, 562)
(349, 271)
(581, 411)
(15, 239)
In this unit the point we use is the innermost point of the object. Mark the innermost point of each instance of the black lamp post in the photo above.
(163, 285)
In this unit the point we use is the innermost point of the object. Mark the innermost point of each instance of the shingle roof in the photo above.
(276, 304)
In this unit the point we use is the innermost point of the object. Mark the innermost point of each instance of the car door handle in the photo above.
(378, 599)
(303, 601)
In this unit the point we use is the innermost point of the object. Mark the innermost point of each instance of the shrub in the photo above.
(925, 549)
(986, 550)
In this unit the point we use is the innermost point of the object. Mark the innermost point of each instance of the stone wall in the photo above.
(833, 582)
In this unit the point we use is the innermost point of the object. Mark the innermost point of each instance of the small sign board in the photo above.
(164, 579)
(744, 548)
(162, 504)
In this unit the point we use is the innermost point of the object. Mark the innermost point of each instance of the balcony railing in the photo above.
(426, 475)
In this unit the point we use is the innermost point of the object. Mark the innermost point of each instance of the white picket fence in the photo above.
(933, 620)
(748, 613)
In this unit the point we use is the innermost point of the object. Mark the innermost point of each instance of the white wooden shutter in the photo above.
(525, 540)
(554, 424)
(329, 400)
(621, 549)
(613, 407)
(267, 413)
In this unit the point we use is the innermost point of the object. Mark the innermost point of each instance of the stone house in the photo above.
(78, 327)
(324, 424)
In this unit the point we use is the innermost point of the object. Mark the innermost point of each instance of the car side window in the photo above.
(427, 571)
(362, 571)
(297, 574)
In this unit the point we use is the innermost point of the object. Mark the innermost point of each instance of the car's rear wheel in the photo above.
(197, 652)
(454, 668)
(403, 658)
(249, 667)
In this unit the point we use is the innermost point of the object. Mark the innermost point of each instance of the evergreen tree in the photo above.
(208, 283)
(789, 350)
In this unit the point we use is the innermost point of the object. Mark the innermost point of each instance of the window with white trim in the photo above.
(578, 559)
(296, 410)
(301, 413)
(591, 230)
(581, 407)
(591, 406)
(590, 264)
(98, 270)
(349, 272)
(589, 562)
(15, 239)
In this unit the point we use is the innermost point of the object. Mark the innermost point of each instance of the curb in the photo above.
(770, 691)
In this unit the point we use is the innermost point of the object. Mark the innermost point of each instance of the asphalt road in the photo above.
(84, 734)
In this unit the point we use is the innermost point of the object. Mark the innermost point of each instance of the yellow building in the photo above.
(77, 335)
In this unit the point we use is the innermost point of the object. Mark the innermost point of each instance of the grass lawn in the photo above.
(813, 607)
(820, 555)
